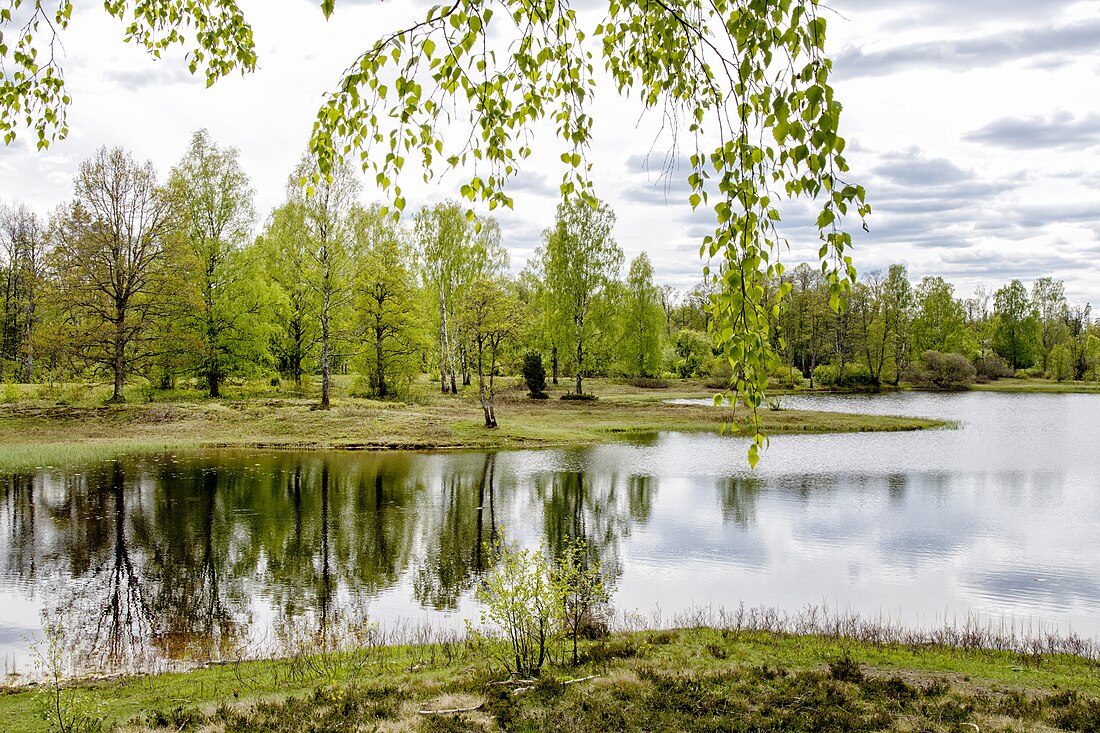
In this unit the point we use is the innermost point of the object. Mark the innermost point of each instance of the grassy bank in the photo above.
(36, 429)
(697, 679)
(1042, 386)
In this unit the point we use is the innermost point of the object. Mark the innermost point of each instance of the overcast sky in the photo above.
(973, 124)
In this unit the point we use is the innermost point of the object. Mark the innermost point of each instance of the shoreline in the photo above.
(34, 434)
(993, 680)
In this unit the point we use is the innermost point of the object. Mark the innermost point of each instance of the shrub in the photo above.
(856, 376)
(584, 598)
(581, 397)
(534, 375)
(943, 371)
(521, 598)
(1030, 373)
(991, 367)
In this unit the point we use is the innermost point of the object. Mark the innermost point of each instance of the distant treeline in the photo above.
(168, 281)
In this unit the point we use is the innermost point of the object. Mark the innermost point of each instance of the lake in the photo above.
(217, 554)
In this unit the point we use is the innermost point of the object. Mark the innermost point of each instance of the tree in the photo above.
(939, 321)
(285, 253)
(897, 312)
(25, 251)
(387, 316)
(110, 249)
(579, 260)
(490, 317)
(453, 251)
(738, 74)
(1049, 299)
(223, 302)
(534, 375)
(1016, 332)
(325, 239)
(643, 319)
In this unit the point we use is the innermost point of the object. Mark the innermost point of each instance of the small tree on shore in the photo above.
(534, 375)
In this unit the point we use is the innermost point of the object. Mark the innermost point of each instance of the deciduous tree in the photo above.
(580, 259)
(223, 303)
(111, 253)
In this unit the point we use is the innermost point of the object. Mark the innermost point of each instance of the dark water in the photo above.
(215, 554)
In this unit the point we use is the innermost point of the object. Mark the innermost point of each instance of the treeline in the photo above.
(169, 281)
(892, 331)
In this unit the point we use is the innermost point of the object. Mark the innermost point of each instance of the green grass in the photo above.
(699, 679)
(1042, 386)
(62, 425)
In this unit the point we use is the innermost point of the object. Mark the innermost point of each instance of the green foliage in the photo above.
(221, 314)
(642, 320)
(111, 241)
(693, 352)
(388, 322)
(585, 611)
(714, 65)
(32, 86)
(937, 370)
(453, 251)
(939, 321)
(490, 320)
(580, 262)
(853, 376)
(522, 600)
(1016, 334)
(534, 375)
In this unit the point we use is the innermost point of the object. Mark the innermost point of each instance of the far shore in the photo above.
(68, 426)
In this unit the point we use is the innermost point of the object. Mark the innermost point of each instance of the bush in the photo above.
(580, 397)
(522, 599)
(943, 371)
(856, 376)
(534, 375)
(991, 367)
(1030, 373)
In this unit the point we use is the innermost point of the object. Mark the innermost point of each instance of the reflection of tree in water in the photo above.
(738, 496)
(201, 607)
(345, 534)
(18, 555)
(458, 548)
(105, 617)
(579, 505)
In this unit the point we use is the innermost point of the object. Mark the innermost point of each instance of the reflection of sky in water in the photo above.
(999, 518)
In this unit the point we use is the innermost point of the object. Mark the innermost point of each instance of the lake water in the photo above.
(210, 555)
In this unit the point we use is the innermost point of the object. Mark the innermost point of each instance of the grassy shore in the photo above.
(1042, 386)
(44, 428)
(694, 679)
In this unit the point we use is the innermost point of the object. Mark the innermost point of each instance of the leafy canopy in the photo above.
(743, 85)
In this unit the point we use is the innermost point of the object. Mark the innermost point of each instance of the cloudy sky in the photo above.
(973, 124)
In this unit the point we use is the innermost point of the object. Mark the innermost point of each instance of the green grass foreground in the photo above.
(699, 679)
(67, 426)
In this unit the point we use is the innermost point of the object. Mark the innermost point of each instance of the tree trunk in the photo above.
(213, 381)
(326, 367)
(380, 374)
(580, 365)
(120, 370)
(554, 362)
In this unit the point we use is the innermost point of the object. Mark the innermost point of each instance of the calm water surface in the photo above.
(209, 555)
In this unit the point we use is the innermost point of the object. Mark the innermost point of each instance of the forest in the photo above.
(166, 282)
